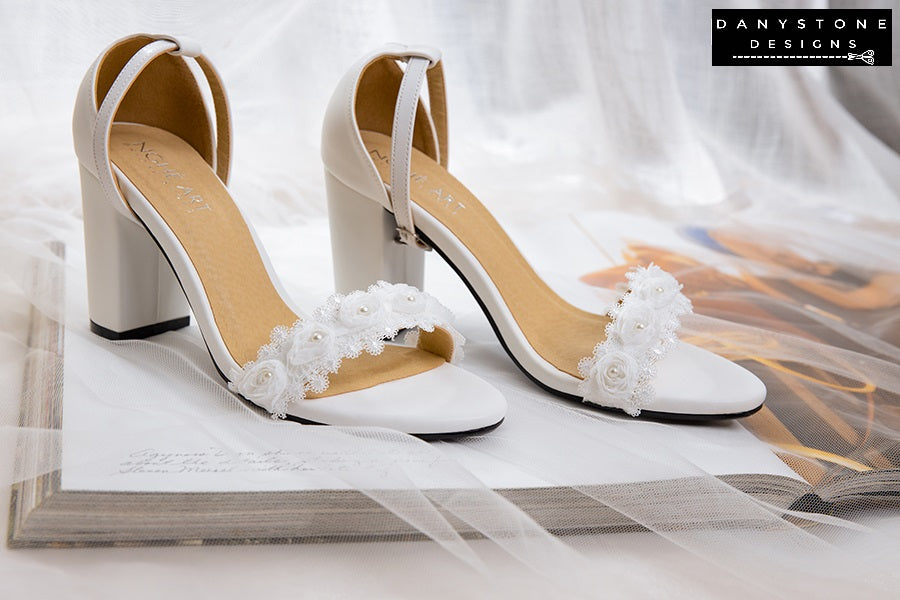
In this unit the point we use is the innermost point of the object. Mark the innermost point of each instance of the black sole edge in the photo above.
(428, 437)
(685, 417)
(645, 414)
(140, 333)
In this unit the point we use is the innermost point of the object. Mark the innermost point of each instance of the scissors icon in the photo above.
(867, 57)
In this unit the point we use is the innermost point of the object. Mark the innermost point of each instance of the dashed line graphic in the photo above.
(867, 57)
(790, 56)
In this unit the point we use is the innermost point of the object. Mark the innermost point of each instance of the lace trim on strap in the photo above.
(299, 359)
(641, 330)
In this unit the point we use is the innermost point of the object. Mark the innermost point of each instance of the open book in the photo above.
(173, 463)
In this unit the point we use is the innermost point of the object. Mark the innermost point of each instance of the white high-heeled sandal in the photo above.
(390, 197)
(154, 161)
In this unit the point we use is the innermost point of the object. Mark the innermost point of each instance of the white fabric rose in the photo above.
(637, 326)
(299, 360)
(657, 288)
(408, 300)
(642, 330)
(614, 375)
(263, 383)
(359, 309)
(309, 342)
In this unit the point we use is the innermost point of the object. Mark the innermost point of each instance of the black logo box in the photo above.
(801, 37)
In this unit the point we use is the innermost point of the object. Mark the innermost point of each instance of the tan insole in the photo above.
(246, 307)
(561, 333)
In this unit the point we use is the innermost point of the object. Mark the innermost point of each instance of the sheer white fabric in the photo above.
(559, 112)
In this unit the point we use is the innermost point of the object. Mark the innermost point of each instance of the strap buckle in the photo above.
(404, 236)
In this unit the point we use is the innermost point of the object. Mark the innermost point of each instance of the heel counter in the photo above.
(83, 117)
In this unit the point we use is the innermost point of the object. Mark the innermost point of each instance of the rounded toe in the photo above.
(693, 382)
(446, 400)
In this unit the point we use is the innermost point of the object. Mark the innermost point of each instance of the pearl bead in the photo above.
(265, 375)
(411, 298)
(316, 337)
(363, 310)
(614, 370)
(659, 290)
(639, 326)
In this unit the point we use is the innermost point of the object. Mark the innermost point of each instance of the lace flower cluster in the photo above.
(641, 330)
(299, 359)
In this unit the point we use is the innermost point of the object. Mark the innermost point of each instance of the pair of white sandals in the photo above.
(163, 238)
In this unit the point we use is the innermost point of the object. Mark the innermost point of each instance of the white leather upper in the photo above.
(107, 112)
(447, 398)
(91, 125)
(344, 153)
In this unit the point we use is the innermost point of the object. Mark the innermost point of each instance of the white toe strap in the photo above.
(300, 359)
(641, 330)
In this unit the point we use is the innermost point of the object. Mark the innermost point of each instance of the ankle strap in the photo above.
(421, 61)
(161, 45)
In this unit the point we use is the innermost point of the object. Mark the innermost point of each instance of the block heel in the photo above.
(132, 291)
(363, 244)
